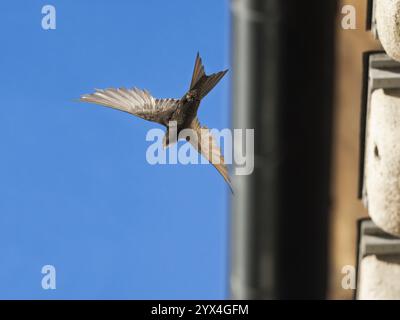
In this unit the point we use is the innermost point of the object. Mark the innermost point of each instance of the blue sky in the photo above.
(76, 191)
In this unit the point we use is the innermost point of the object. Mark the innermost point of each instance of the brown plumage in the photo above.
(184, 111)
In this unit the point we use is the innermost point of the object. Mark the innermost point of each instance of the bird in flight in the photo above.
(182, 112)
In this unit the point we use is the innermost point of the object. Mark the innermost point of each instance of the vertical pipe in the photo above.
(283, 88)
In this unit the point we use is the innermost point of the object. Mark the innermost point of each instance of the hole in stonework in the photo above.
(376, 153)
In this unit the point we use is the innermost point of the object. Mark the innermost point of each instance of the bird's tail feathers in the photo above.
(201, 82)
(209, 82)
(198, 71)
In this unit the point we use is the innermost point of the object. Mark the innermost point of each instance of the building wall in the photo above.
(346, 208)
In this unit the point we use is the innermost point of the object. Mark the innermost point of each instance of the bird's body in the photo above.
(182, 112)
(185, 113)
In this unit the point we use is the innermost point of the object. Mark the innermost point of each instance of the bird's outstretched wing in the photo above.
(134, 101)
(207, 146)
